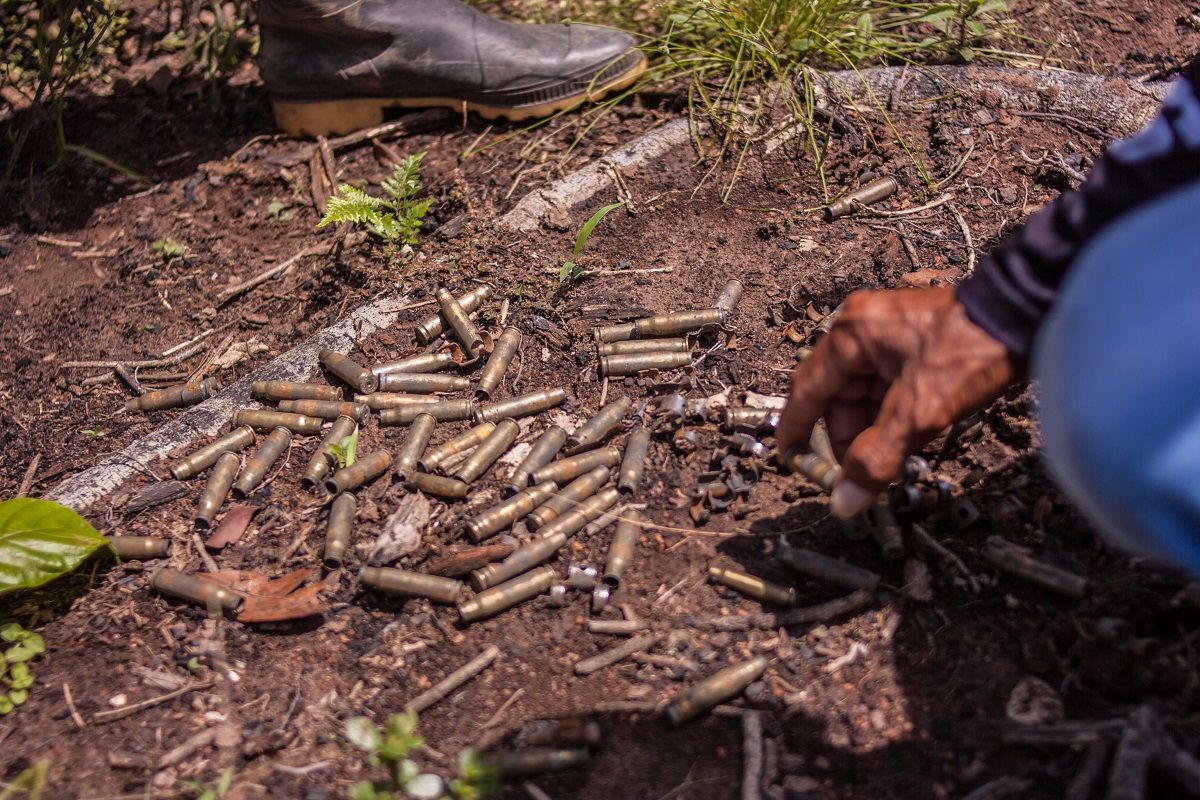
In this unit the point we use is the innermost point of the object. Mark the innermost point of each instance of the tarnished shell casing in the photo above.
(423, 382)
(349, 371)
(490, 449)
(567, 469)
(260, 463)
(174, 397)
(322, 460)
(873, 192)
(621, 331)
(497, 363)
(366, 469)
(191, 589)
(714, 690)
(597, 428)
(753, 586)
(438, 486)
(824, 568)
(731, 294)
(508, 594)
(631, 346)
(425, 362)
(577, 518)
(540, 454)
(236, 440)
(326, 409)
(456, 317)
(378, 401)
(633, 363)
(679, 322)
(139, 548)
(293, 390)
(620, 552)
(571, 496)
(523, 559)
(885, 527)
(217, 489)
(633, 463)
(816, 468)
(535, 761)
(265, 419)
(523, 406)
(499, 517)
(444, 411)
(339, 529)
(758, 420)
(432, 326)
(405, 583)
(414, 445)
(432, 459)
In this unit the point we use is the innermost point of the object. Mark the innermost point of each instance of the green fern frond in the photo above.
(405, 181)
(351, 204)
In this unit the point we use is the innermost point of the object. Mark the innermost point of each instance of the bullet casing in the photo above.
(217, 489)
(497, 363)
(535, 761)
(829, 570)
(633, 463)
(523, 406)
(679, 322)
(540, 454)
(293, 390)
(630, 346)
(405, 583)
(432, 326)
(570, 497)
(349, 371)
(481, 460)
(731, 294)
(432, 459)
(425, 362)
(870, 194)
(436, 485)
(753, 586)
(581, 579)
(456, 317)
(816, 468)
(443, 411)
(714, 690)
(339, 529)
(506, 595)
(1011, 559)
(326, 409)
(597, 429)
(259, 464)
(174, 397)
(378, 401)
(322, 460)
(139, 548)
(621, 551)
(633, 363)
(885, 527)
(423, 383)
(197, 591)
(523, 559)
(232, 442)
(265, 419)
(414, 445)
(366, 469)
(567, 469)
(576, 519)
(758, 420)
(501, 516)
(622, 331)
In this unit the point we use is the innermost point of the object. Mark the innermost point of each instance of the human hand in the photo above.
(896, 368)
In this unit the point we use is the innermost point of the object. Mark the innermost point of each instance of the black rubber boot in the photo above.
(333, 66)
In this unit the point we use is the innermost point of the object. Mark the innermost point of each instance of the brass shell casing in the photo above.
(183, 586)
(633, 463)
(432, 459)
(633, 363)
(571, 496)
(405, 583)
(425, 362)
(378, 401)
(630, 346)
(620, 332)
(523, 406)
(326, 409)
(495, 519)
(322, 461)
(598, 427)
(816, 468)
(339, 529)
(714, 690)
(759, 420)
(885, 527)
(432, 326)
(423, 383)
(824, 568)
(414, 445)
(523, 559)
(577, 518)
(540, 454)
(139, 548)
(217, 489)
(443, 411)
(731, 294)
(293, 390)
(232, 442)
(490, 449)
(1012, 559)
(506, 595)
(535, 761)
(438, 486)
(349, 371)
(497, 363)
(366, 469)
(679, 322)
(174, 397)
(753, 586)
(873, 192)
(567, 469)
(458, 320)
(621, 551)
(259, 464)
(265, 419)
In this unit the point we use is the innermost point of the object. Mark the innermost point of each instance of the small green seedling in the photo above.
(29, 785)
(168, 248)
(93, 433)
(20, 647)
(215, 792)
(344, 451)
(570, 270)
(394, 218)
(279, 211)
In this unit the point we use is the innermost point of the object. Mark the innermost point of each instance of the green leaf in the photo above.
(363, 790)
(586, 231)
(225, 782)
(20, 677)
(18, 696)
(40, 541)
(11, 632)
(6, 705)
(363, 734)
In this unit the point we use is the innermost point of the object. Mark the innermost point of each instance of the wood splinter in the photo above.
(439, 691)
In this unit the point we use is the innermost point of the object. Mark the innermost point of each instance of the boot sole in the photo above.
(339, 117)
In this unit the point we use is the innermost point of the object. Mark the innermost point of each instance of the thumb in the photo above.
(873, 460)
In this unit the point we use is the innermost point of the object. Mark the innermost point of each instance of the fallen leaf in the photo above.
(239, 352)
(268, 600)
(402, 530)
(232, 527)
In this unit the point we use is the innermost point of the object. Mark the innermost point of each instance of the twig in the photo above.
(209, 563)
(966, 232)
(455, 679)
(129, 380)
(505, 706)
(906, 212)
(119, 713)
(30, 472)
(1056, 116)
(306, 769)
(534, 792)
(200, 337)
(179, 357)
(78, 720)
(752, 756)
(262, 277)
(1131, 762)
(193, 744)
(619, 653)
(797, 616)
(908, 246)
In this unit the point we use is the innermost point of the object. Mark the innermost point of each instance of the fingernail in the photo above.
(849, 500)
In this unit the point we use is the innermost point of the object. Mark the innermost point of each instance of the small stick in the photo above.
(669, 662)
(1083, 785)
(619, 653)
(505, 706)
(200, 337)
(78, 720)
(129, 379)
(118, 713)
(30, 471)
(455, 679)
(262, 277)
(797, 616)
(197, 742)
(1131, 762)
(752, 756)
(616, 627)
(967, 240)
(316, 183)
(1062, 733)
(534, 792)
(327, 162)
(176, 358)
(907, 212)
(908, 245)
(209, 563)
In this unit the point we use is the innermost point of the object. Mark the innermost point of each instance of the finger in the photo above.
(815, 383)
(876, 456)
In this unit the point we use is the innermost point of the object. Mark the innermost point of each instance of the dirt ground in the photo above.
(901, 699)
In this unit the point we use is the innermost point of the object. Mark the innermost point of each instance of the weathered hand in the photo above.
(894, 371)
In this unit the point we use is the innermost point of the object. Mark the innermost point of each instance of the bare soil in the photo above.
(917, 713)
